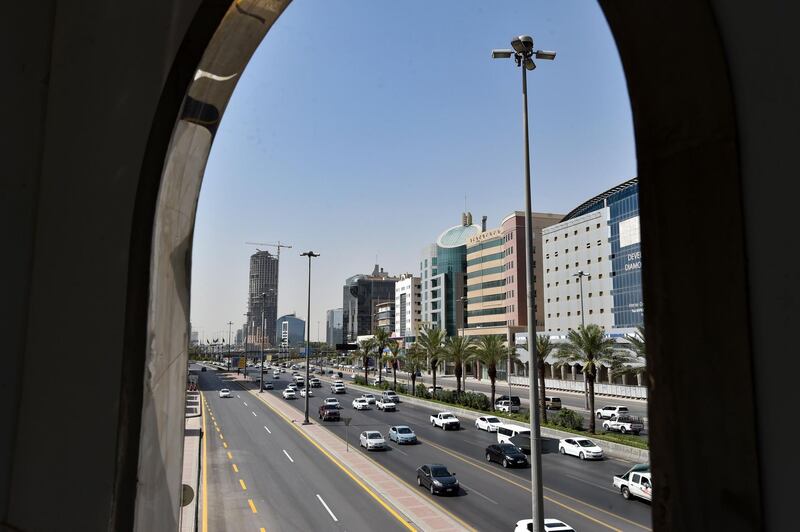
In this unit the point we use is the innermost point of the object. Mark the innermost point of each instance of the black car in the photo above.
(507, 454)
(437, 479)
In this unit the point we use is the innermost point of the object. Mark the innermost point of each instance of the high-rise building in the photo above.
(384, 316)
(291, 331)
(333, 327)
(262, 296)
(407, 307)
(360, 293)
(443, 275)
(596, 246)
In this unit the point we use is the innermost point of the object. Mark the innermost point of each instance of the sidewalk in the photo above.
(399, 498)
(191, 459)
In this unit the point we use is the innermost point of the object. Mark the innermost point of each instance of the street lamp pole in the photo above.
(580, 275)
(230, 324)
(523, 53)
(310, 255)
(263, 334)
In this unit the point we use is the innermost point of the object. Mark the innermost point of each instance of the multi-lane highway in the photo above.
(262, 475)
(492, 498)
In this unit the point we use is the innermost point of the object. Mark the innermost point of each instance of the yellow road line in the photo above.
(225, 444)
(204, 518)
(263, 529)
(341, 466)
(217, 428)
(480, 466)
(221, 437)
(230, 456)
(242, 484)
(252, 505)
(235, 469)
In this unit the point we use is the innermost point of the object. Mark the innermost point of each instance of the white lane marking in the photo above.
(596, 485)
(326, 507)
(238, 396)
(287, 456)
(268, 431)
(476, 492)
(254, 414)
(245, 404)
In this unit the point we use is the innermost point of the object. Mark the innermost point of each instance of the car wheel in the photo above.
(599, 415)
(488, 457)
(562, 450)
(505, 462)
(581, 456)
(419, 481)
(432, 493)
(622, 430)
(626, 493)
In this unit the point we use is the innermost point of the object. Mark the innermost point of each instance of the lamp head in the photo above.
(502, 54)
(529, 64)
(522, 44)
(547, 55)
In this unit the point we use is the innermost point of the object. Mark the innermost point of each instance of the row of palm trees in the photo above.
(587, 346)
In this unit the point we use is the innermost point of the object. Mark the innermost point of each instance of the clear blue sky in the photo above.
(359, 126)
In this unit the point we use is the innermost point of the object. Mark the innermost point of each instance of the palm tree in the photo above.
(365, 349)
(491, 352)
(393, 357)
(382, 340)
(543, 349)
(457, 350)
(587, 346)
(414, 362)
(622, 360)
(431, 341)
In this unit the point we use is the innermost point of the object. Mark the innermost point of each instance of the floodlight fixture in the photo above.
(529, 64)
(502, 54)
(545, 54)
(522, 44)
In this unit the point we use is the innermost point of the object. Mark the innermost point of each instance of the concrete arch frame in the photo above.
(142, 114)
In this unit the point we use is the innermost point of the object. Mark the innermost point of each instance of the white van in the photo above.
(506, 431)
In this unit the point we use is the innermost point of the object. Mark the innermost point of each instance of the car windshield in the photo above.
(586, 443)
(492, 420)
(508, 448)
(439, 471)
(374, 436)
(447, 416)
(404, 430)
(225, 390)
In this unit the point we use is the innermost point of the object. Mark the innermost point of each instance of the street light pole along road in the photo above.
(580, 275)
(310, 255)
(523, 53)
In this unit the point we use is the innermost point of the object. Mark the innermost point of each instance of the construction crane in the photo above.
(278, 245)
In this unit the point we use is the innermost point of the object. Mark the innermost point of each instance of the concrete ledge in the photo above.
(193, 435)
(614, 450)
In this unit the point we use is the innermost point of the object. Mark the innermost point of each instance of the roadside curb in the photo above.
(612, 449)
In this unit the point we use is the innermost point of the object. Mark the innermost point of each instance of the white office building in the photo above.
(407, 307)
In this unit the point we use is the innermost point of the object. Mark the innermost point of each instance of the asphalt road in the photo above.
(573, 401)
(273, 478)
(492, 498)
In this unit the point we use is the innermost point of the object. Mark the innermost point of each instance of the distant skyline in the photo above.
(359, 126)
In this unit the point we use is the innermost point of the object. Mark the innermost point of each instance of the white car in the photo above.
(288, 393)
(488, 423)
(332, 401)
(360, 403)
(550, 525)
(225, 392)
(338, 387)
(372, 439)
(291, 386)
(386, 405)
(368, 397)
(306, 391)
(607, 411)
(276, 374)
(506, 406)
(583, 448)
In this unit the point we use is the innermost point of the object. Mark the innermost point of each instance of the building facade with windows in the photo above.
(291, 331)
(592, 265)
(359, 296)
(333, 327)
(407, 308)
(384, 316)
(443, 271)
(262, 297)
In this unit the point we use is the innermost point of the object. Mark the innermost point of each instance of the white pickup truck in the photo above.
(385, 405)
(624, 424)
(445, 420)
(635, 483)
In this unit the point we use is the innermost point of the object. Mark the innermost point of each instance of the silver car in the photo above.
(402, 434)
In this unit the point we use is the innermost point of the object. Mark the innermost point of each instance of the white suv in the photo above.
(607, 411)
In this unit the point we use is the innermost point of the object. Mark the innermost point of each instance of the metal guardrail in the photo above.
(619, 390)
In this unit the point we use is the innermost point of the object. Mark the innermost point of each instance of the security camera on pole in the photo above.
(523, 54)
